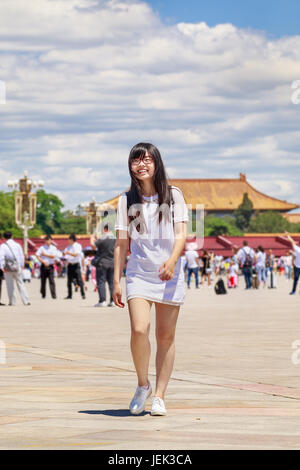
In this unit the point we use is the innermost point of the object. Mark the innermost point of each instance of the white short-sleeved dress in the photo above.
(151, 248)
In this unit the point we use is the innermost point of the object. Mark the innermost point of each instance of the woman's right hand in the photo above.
(117, 296)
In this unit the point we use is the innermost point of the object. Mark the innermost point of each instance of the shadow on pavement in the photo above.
(118, 413)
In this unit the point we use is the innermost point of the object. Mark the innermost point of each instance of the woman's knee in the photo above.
(164, 338)
(138, 331)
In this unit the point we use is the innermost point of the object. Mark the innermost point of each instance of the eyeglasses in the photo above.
(147, 160)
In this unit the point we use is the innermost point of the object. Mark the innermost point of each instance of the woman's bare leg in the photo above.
(166, 319)
(139, 311)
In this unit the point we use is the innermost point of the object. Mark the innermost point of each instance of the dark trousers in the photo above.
(47, 272)
(74, 273)
(248, 277)
(105, 274)
(296, 278)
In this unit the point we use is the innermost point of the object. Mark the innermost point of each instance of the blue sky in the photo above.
(88, 79)
(277, 17)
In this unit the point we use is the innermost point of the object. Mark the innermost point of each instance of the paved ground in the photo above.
(68, 376)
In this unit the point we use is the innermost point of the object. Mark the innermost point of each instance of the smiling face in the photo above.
(148, 175)
(143, 168)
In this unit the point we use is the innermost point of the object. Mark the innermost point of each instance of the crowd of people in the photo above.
(78, 265)
(258, 267)
(96, 263)
(155, 270)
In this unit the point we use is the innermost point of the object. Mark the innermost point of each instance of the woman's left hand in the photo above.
(166, 271)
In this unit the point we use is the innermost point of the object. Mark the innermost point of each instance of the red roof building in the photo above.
(222, 245)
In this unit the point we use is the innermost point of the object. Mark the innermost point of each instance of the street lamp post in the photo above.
(92, 217)
(96, 215)
(25, 204)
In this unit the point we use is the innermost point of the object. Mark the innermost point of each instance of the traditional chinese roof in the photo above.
(293, 218)
(223, 195)
(227, 194)
(113, 202)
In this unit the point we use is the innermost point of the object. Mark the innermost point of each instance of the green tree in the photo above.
(214, 226)
(269, 222)
(294, 228)
(73, 224)
(7, 214)
(244, 213)
(48, 214)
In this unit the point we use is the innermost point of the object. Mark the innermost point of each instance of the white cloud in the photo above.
(87, 79)
(283, 188)
(46, 23)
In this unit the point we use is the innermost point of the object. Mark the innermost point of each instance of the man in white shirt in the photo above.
(47, 255)
(193, 265)
(73, 255)
(12, 253)
(296, 249)
(246, 256)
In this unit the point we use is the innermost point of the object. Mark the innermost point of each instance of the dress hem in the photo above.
(140, 296)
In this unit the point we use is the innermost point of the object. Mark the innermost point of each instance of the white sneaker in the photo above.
(101, 304)
(111, 304)
(158, 407)
(138, 403)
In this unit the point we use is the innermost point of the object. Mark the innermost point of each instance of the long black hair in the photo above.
(134, 195)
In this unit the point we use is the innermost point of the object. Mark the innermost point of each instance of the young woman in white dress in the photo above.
(151, 217)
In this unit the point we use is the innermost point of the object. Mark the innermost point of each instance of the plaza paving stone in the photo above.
(69, 377)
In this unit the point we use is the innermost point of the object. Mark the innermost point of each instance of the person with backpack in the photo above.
(104, 263)
(246, 258)
(152, 216)
(12, 263)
